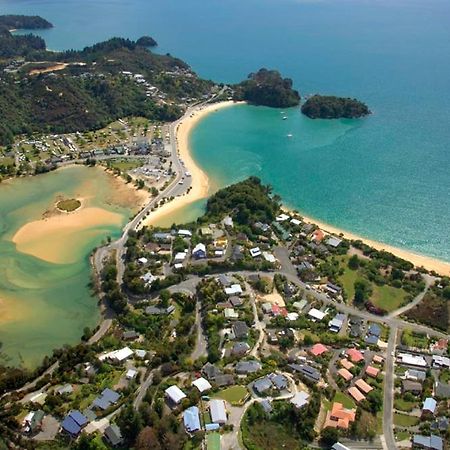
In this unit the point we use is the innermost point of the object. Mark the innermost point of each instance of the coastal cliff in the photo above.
(331, 107)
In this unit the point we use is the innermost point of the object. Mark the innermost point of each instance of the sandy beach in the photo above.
(441, 267)
(201, 186)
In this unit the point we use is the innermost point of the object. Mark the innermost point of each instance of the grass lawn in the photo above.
(346, 401)
(402, 436)
(234, 394)
(403, 420)
(125, 165)
(69, 205)
(387, 297)
(403, 405)
(213, 441)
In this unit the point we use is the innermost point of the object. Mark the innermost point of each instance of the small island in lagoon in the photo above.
(332, 107)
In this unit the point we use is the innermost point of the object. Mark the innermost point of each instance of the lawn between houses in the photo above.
(236, 395)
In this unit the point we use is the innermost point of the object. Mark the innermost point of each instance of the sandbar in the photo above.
(57, 239)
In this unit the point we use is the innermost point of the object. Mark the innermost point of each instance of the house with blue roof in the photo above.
(191, 419)
(73, 423)
(107, 398)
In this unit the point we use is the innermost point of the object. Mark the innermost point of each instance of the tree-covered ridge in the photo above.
(331, 107)
(18, 22)
(248, 201)
(93, 90)
(267, 88)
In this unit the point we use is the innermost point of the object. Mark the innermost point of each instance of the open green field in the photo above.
(124, 164)
(345, 400)
(235, 395)
(404, 420)
(388, 297)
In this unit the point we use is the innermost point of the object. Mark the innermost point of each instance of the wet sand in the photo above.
(56, 239)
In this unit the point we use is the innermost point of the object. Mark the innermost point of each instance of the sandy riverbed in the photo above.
(58, 236)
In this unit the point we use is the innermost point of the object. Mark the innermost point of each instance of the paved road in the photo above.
(388, 425)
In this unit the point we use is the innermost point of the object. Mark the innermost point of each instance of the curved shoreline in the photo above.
(201, 188)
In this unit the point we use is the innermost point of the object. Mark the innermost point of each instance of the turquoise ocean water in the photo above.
(386, 177)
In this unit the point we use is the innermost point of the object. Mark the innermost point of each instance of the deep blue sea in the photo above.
(386, 177)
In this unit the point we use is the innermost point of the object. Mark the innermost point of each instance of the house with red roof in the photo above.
(318, 349)
(355, 355)
(372, 371)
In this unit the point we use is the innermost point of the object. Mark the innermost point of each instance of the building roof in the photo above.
(377, 359)
(234, 289)
(432, 442)
(356, 394)
(240, 329)
(248, 366)
(372, 371)
(429, 405)
(316, 314)
(355, 355)
(339, 417)
(113, 434)
(307, 371)
(318, 349)
(175, 394)
(345, 374)
(217, 411)
(300, 399)
(363, 386)
(346, 364)
(262, 385)
(202, 384)
(191, 419)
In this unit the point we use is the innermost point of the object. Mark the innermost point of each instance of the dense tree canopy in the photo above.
(330, 107)
(267, 88)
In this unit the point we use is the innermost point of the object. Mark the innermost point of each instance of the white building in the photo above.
(218, 412)
(175, 394)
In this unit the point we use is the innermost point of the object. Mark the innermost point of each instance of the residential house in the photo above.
(73, 423)
(246, 367)
(191, 419)
(202, 384)
(432, 442)
(174, 394)
(113, 435)
(363, 386)
(339, 417)
(300, 399)
(240, 349)
(217, 411)
(240, 330)
(429, 407)
(199, 251)
(411, 386)
(310, 373)
(356, 394)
